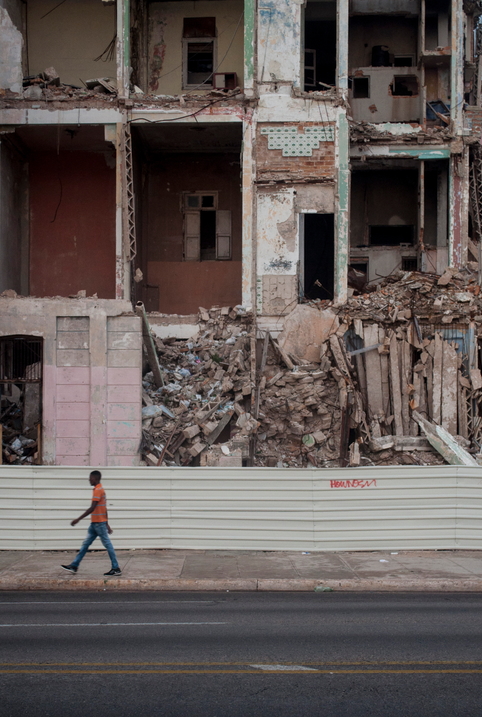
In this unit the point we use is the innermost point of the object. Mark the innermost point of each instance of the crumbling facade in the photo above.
(225, 153)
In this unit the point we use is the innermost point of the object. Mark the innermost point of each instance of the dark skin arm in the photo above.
(88, 512)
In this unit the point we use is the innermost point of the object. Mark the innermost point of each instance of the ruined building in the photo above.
(224, 153)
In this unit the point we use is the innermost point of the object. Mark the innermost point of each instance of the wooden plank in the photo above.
(444, 443)
(429, 372)
(405, 379)
(449, 388)
(437, 380)
(149, 344)
(462, 409)
(373, 372)
(395, 386)
(385, 376)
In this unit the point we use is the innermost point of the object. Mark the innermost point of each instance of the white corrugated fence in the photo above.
(379, 508)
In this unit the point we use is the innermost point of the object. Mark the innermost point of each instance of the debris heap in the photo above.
(340, 385)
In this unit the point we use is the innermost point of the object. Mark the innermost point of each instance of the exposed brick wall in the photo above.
(473, 120)
(272, 165)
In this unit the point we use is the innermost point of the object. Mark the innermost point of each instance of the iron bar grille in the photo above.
(20, 360)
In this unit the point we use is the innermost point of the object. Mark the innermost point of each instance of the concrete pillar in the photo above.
(123, 48)
(342, 25)
(342, 209)
(457, 67)
(249, 40)
(248, 210)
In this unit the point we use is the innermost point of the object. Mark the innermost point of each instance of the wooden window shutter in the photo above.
(192, 236)
(223, 234)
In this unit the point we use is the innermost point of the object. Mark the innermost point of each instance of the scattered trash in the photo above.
(323, 589)
(383, 561)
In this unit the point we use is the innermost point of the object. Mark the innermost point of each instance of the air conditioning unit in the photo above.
(225, 81)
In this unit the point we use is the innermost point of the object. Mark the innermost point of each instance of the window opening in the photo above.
(199, 51)
(319, 55)
(361, 87)
(403, 61)
(207, 229)
(391, 235)
(409, 263)
(20, 399)
(405, 86)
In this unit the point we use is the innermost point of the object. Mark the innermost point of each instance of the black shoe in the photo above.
(114, 571)
(69, 568)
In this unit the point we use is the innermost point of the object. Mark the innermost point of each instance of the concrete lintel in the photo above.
(24, 116)
(186, 117)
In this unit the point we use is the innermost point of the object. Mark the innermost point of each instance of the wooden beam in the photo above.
(149, 344)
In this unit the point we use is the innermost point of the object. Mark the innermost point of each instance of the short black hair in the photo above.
(96, 474)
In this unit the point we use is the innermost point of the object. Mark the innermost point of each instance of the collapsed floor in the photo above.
(340, 385)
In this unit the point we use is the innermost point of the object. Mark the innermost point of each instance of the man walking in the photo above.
(99, 527)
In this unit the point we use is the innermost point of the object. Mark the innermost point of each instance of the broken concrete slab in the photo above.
(305, 330)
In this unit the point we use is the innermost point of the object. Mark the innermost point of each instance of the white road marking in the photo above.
(102, 602)
(286, 668)
(105, 624)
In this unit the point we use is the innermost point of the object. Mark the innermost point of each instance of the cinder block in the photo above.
(72, 446)
(72, 460)
(73, 394)
(73, 340)
(73, 375)
(124, 340)
(124, 323)
(120, 359)
(123, 429)
(122, 446)
(123, 460)
(72, 323)
(129, 394)
(73, 429)
(124, 411)
(78, 357)
(124, 376)
(73, 411)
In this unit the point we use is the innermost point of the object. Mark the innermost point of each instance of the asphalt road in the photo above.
(240, 655)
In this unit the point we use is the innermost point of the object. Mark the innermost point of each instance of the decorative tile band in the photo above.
(297, 144)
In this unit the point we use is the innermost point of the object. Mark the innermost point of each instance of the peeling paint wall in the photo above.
(165, 55)
(11, 48)
(279, 41)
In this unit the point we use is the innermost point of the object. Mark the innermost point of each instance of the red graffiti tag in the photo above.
(355, 483)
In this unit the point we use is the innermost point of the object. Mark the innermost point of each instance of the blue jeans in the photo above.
(96, 530)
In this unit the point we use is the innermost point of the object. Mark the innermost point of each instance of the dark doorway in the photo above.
(319, 256)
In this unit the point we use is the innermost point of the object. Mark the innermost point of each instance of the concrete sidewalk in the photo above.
(448, 570)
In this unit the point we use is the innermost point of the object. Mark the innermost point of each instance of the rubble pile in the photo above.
(19, 442)
(206, 392)
(340, 385)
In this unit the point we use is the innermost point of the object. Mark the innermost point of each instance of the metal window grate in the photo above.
(20, 360)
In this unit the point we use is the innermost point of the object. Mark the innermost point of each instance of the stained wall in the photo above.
(72, 224)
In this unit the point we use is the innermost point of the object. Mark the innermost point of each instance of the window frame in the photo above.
(185, 52)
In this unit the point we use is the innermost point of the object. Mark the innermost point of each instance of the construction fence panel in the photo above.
(382, 508)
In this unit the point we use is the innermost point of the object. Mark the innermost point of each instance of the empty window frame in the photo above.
(310, 69)
(361, 87)
(405, 86)
(199, 52)
(391, 235)
(207, 229)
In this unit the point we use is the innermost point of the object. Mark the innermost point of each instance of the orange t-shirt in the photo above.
(100, 511)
